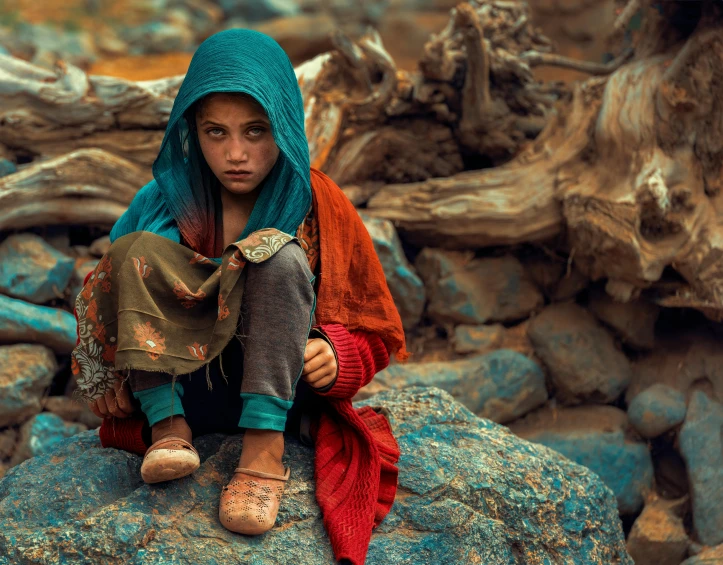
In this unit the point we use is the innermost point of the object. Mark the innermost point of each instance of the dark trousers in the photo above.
(254, 380)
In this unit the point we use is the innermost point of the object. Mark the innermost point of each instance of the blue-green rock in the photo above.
(656, 410)
(581, 356)
(32, 270)
(22, 322)
(501, 385)
(26, 371)
(469, 492)
(42, 434)
(701, 444)
(405, 285)
(6, 167)
(464, 290)
(595, 436)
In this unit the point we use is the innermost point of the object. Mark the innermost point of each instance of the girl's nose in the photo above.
(237, 151)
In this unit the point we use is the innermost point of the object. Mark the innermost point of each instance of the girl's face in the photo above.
(235, 138)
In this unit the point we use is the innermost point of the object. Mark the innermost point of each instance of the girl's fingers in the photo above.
(123, 397)
(94, 408)
(313, 348)
(315, 364)
(320, 378)
(112, 404)
(102, 408)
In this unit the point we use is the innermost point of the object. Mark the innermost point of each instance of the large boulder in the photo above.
(22, 322)
(596, 437)
(580, 354)
(502, 385)
(464, 290)
(405, 285)
(469, 492)
(26, 371)
(32, 270)
(701, 444)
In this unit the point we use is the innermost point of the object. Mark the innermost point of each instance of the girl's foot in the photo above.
(250, 502)
(262, 451)
(174, 426)
(171, 456)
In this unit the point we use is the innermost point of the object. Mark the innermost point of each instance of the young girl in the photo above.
(242, 291)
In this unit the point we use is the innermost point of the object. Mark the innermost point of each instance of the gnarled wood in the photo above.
(46, 113)
(89, 187)
(509, 204)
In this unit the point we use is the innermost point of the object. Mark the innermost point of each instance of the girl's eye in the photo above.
(212, 130)
(255, 132)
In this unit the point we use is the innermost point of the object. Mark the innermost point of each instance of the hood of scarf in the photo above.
(235, 60)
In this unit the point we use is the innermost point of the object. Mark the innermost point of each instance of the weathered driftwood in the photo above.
(479, 54)
(513, 203)
(88, 187)
(474, 98)
(50, 113)
(628, 165)
(631, 169)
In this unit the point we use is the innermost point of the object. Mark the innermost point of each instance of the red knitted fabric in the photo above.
(124, 433)
(356, 453)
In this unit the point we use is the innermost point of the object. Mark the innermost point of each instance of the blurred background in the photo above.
(147, 39)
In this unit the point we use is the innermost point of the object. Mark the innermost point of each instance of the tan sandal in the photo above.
(169, 458)
(249, 503)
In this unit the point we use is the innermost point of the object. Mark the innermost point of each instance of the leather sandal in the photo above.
(250, 502)
(169, 458)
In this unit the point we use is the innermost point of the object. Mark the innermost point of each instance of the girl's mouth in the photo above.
(238, 175)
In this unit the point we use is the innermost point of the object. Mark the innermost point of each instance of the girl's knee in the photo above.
(288, 263)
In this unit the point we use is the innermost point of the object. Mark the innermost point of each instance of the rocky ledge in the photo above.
(470, 492)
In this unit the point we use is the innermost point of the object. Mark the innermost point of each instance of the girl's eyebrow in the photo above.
(254, 121)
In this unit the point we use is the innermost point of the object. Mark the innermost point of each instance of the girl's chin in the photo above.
(240, 187)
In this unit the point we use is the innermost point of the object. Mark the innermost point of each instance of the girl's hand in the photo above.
(319, 363)
(116, 402)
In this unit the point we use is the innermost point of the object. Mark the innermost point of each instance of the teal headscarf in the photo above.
(181, 200)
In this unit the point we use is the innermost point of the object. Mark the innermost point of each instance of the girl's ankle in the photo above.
(173, 426)
(263, 450)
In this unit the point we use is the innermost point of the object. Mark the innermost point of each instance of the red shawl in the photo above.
(356, 476)
(353, 290)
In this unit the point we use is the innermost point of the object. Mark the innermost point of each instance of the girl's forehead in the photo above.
(227, 103)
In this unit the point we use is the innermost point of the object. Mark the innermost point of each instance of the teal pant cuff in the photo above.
(161, 402)
(263, 412)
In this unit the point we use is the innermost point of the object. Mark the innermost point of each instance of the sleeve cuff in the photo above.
(350, 370)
